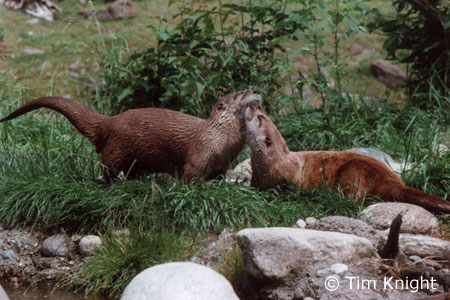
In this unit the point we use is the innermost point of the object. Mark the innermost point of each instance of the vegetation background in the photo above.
(184, 55)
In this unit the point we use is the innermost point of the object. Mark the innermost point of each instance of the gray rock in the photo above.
(424, 246)
(9, 254)
(179, 281)
(300, 223)
(31, 51)
(351, 226)
(55, 245)
(310, 220)
(391, 75)
(274, 253)
(396, 167)
(415, 218)
(88, 244)
(415, 258)
(242, 173)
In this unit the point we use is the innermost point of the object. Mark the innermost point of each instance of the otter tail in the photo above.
(82, 117)
(427, 201)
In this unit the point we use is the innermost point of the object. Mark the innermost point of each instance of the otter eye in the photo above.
(221, 106)
(267, 141)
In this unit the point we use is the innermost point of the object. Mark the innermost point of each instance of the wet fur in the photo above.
(154, 140)
(357, 174)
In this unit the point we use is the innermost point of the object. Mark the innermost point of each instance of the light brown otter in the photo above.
(357, 174)
(155, 140)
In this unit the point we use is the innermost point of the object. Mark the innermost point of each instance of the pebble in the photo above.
(300, 223)
(310, 220)
(8, 254)
(415, 258)
(339, 268)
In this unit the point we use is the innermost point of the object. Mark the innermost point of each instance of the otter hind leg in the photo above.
(354, 179)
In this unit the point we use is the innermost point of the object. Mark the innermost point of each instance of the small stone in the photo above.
(9, 254)
(308, 298)
(74, 66)
(300, 223)
(33, 21)
(55, 245)
(310, 220)
(323, 272)
(339, 268)
(31, 51)
(76, 238)
(88, 244)
(415, 258)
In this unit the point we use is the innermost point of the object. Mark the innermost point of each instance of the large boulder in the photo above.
(179, 281)
(274, 253)
(424, 246)
(351, 226)
(391, 75)
(415, 218)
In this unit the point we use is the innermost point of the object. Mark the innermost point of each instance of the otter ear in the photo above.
(268, 141)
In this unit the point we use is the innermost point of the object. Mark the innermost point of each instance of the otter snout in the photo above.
(252, 99)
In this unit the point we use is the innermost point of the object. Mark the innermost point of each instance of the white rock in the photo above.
(179, 281)
(424, 246)
(310, 220)
(339, 268)
(415, 218)
(88, 244)
(300, 223)
(274, 253)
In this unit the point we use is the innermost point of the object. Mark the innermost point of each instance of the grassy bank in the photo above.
(49, 173)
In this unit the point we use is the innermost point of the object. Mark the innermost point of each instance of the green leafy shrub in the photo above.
(419, 35)
(204, 57)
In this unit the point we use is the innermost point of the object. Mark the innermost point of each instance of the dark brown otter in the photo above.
(155, 140)
(357, 174)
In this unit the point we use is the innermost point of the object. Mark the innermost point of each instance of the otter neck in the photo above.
(224, 135)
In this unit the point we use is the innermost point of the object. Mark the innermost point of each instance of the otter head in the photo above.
(268, 148)
(233, 105)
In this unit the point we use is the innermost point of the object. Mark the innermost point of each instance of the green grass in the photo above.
(49, 173)
(119, 259)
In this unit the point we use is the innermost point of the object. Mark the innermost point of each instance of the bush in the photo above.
(418, 35)
(204, 57)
